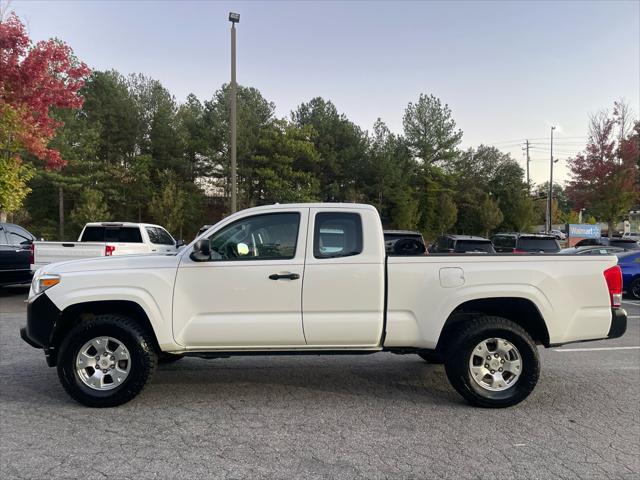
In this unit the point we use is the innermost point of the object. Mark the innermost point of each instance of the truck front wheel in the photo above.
(106, 361)
(492, 362)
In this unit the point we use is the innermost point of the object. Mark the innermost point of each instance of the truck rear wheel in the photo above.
(106, 361)
(492, 362)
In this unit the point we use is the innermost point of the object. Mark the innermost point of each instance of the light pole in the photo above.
(233, 18)
(550, 196)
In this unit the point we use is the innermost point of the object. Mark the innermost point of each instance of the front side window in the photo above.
(19, 236)
(164, 238)
(272, 236)
(337, 234)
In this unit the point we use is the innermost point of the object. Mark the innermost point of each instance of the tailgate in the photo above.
(51, 252)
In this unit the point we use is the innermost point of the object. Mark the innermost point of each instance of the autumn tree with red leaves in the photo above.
(605, 178)
(34, 79)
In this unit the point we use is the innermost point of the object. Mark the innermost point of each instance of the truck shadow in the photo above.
(382, 376)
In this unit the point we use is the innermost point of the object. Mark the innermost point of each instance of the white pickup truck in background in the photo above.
(315, 278)
(106, 239)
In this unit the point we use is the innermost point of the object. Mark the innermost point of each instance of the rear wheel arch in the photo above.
(82, 312)
(521, 311)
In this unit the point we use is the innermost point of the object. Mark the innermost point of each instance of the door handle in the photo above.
(289, 276)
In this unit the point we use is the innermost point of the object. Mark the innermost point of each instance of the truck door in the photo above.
(343, 293)
(249, 294)
(16, 253)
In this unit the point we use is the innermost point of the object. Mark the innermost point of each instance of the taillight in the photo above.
(613, 276)
(517, 250)
(32, 254)
(108, 250)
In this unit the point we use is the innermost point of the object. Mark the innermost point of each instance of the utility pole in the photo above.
(528, 160)
(550, 196)
(233, 18)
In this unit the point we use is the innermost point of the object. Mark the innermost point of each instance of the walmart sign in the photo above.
(584, 230)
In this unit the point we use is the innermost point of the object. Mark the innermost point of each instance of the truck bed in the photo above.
(568, 291)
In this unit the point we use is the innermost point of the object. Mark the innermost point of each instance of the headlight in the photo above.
(44, 282)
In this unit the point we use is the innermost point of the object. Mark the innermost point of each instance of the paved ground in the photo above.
(378, 416)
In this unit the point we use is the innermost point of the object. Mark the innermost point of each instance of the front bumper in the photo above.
(618, 323)
(42, 316)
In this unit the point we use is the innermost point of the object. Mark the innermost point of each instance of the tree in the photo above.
(90, 208)
(168, 204)
(342, 148)
(604, 178)
(14, 174)
(488, 170)
(448, 213)
(35, 79)
(387, 178)
(431, 131)
(490, 215)
(255, 114)
(281, 168)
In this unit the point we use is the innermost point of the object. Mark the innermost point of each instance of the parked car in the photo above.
(559, 234)
(631, 235)
(525, 243)
(462, 244)
(245, 287)
(404, 242)
(15, 254)
(626, 243)
(105, 239)
(592, 250)
(629, 262)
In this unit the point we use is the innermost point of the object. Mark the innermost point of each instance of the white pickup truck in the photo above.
(315, 278)
(104, 239)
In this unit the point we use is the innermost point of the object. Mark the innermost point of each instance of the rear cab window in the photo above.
(337, 234)
(93, 234)
(112, 234)
(504, 241)
(463, 246)
(538, 244)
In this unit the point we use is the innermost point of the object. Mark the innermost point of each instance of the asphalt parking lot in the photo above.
(376, 416)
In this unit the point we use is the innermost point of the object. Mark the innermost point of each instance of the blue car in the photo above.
(630, 264)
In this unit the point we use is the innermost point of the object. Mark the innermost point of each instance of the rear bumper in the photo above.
(618, 323)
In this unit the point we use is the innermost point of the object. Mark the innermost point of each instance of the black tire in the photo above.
(165, 358)
(432, 358)
(634, 289)
(142, 356)
(459, 352)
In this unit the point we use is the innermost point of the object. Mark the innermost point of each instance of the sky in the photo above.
(507, 70)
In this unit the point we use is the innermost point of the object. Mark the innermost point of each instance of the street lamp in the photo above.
(233, 18)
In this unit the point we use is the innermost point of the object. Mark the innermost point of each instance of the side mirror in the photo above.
(179, 243)
(201, 251)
